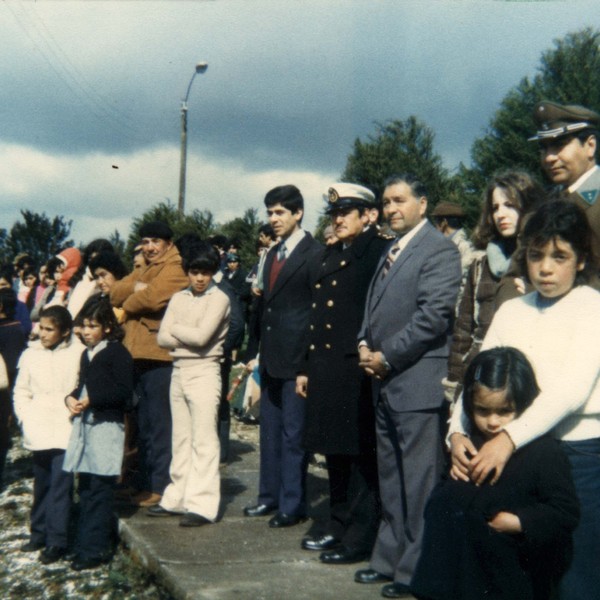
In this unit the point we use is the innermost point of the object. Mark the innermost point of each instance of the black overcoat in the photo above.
(339, 411)
(286, 311)
(464, 559)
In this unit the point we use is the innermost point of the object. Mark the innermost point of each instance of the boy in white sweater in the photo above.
(48, 371)
(194, 329)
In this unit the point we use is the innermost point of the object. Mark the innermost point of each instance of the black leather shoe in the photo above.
(92, 562)
(51, 554)
(71, 555)
(370, 576)
(258, 510)
(324, 542)
(343, 556)
(158, 511)
(31, 546)
(283, 520)
(396, 590)
(191, 519)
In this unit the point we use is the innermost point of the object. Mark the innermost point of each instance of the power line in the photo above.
(96, 107)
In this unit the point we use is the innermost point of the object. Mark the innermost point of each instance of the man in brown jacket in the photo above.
(144, 295)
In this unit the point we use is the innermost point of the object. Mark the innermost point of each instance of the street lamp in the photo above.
(200, 68)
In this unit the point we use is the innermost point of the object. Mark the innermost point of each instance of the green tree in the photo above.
(244, 229)
(37, 235)
(118, 243)
(569, 73)
(399, 147)
(200, 222)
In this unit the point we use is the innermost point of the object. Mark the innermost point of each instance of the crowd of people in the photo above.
(450, 383)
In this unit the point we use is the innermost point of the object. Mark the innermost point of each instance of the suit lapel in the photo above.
(292, 264)
(379, 285)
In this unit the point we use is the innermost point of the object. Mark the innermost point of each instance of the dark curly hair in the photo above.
(564, 220)
(100, 310)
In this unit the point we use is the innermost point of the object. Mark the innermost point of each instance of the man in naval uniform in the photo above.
(340, 421)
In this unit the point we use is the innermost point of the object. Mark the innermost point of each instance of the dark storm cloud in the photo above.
(289, 87)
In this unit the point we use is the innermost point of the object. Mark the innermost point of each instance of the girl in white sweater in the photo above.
(558, 328)
(48, 371)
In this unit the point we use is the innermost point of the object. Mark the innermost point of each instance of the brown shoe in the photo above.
(146, 499)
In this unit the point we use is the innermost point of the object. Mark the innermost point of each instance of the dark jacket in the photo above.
(12, 344)
(239, 283)
(108, 380)
(475, 313)
(339, 410)
(286, 311)
(235, 333)
(463, 558)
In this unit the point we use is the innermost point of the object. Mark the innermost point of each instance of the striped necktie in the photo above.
(390, 258)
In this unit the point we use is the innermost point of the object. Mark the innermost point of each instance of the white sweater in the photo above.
(195, 326)
(45, 378)
(562, 342)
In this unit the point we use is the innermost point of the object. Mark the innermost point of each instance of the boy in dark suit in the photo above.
(283, 340)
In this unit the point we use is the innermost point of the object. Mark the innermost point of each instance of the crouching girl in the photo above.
(509, 540)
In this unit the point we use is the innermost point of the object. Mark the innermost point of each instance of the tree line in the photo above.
(568, 73)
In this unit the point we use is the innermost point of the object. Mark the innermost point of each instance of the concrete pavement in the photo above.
(241, 557)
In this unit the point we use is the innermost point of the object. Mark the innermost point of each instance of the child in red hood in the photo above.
(71, 259)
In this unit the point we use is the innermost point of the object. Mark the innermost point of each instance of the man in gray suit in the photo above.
(403, 345)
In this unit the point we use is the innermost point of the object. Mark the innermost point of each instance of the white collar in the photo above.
(97, 348)
(294, 239)
(403, 241)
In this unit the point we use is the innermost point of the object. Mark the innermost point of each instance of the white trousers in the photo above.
(195, 481)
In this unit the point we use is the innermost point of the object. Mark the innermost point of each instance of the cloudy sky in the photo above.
(290, 84)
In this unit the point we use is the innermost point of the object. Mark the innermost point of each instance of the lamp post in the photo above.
(200, 68)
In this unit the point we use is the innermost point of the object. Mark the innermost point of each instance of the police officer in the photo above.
(567, 136)
(339, 411)
(568, 140)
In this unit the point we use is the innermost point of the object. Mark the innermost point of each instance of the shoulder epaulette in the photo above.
(590, 190)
